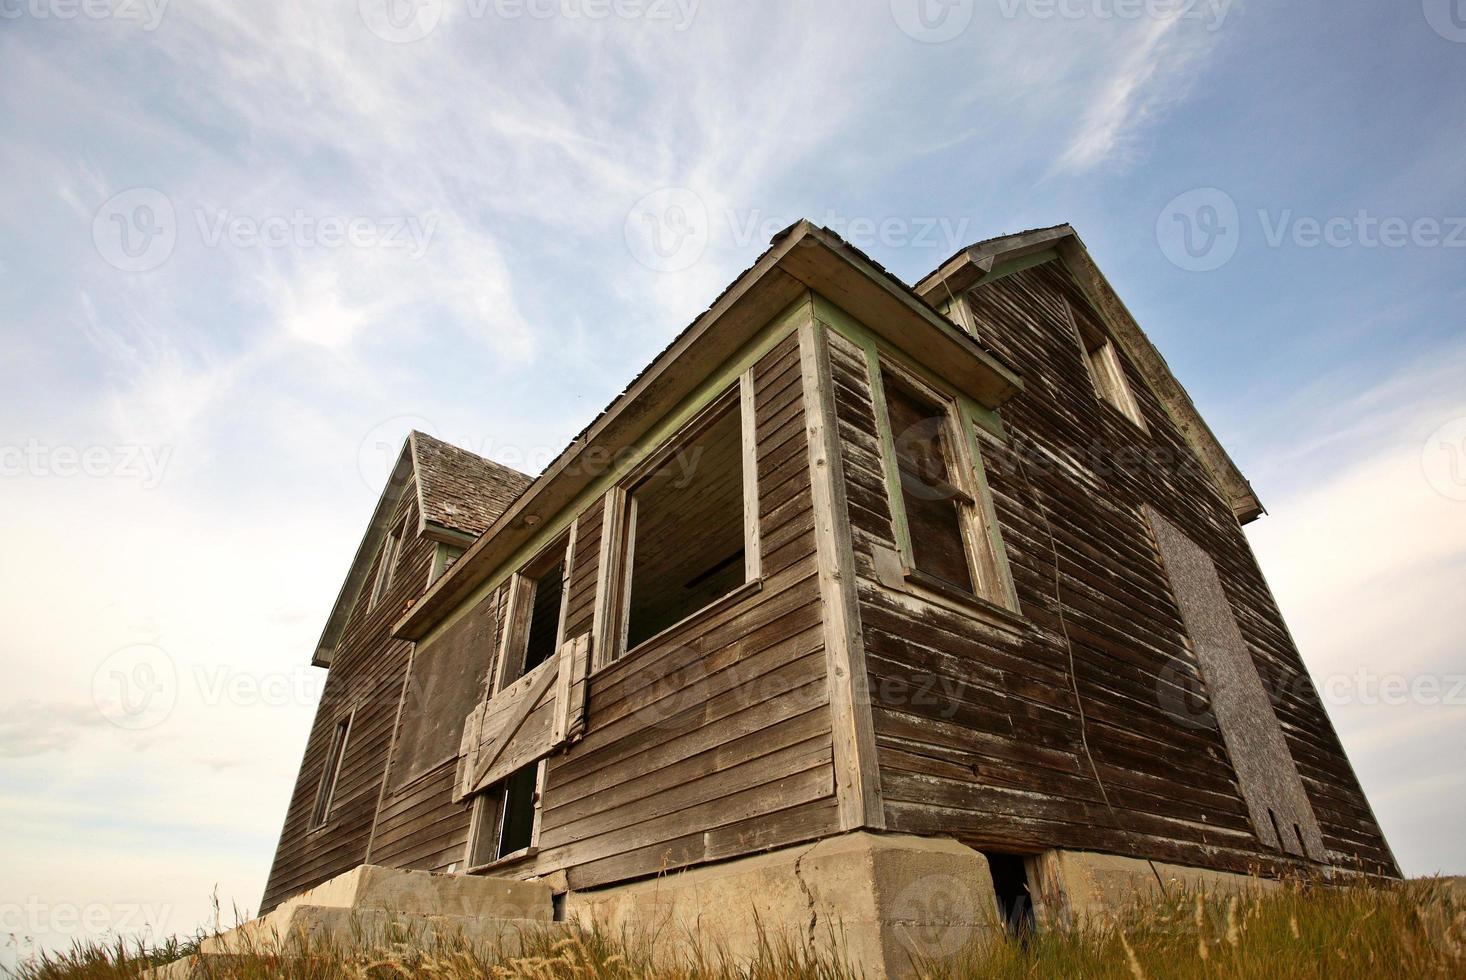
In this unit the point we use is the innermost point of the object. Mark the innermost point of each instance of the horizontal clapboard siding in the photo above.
(714, 740)
(978, 728)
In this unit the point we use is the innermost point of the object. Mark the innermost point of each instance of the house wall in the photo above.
(367, 674)
(976, 719)
(708, 742)
(712, 741)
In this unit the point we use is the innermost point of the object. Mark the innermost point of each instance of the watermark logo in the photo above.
(668, 229)
(1447, 18)
(379, 449)
(136, 688)
(1199, 231)
(1443, 460)
(933, 21)
(148, 13)
(935, 915)
(678, 684)
(136, 230)
(1181, 694)
(401, 21)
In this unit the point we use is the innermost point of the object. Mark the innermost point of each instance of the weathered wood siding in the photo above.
(367, 674)
(420, 826)
(712, 741)
(978, 728)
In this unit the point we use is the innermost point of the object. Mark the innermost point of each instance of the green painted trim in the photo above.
(971, 416)
(990, 521)
(1003, 269)
(712, 388)
(856, 332)
(900, 526)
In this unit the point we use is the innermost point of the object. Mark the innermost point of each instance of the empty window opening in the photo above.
(387, 564)
(504, 818)
(936, 508)
(687, 534)
(331, 773)
(1106, 370)
(557, 906)
(1298, 832)
(1010, 884)
(539, 600)
(544, 619)
(517, 831)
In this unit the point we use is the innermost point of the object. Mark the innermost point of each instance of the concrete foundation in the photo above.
(1077, 888)
(373, 908)
(886, 903)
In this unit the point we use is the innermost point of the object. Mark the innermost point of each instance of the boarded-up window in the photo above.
(935, 506)
(331, 772)
(688, 529)
(1281, 813)
(446, 683)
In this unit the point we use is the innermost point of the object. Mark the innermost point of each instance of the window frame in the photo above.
(987, 567)
(490, 805)
(391, 552)
(614, 589)
(325, 799)
(1106, 371)
(519, 611)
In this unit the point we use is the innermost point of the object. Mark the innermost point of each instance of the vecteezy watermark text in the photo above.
(1201, 230)
(406, 21)
(669, 229)
(137, 230)
(299, 229)
(129, 462)
(148, 13)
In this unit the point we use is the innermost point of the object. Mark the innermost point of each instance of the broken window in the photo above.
(539, 599)
(1106, 370)
(504, 818)
(331, 773)
(942, 520)
(934, 505)
(689, 527)
(387, 565)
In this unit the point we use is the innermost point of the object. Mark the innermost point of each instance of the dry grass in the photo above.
(1416, 930)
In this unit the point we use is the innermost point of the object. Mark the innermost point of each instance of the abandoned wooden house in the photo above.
(854, 580)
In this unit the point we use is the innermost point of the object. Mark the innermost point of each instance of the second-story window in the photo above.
(690, 533)
(1106, 370)
(942, 524)
(537, 602)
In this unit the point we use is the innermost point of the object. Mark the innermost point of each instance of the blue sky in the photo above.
(246, 247)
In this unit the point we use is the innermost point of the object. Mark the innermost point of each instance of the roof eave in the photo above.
(802, 258)
(971, 266)
(402, 471)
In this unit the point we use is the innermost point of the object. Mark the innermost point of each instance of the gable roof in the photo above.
(459, 491)
(971, 266)
(459, 494)
(802, 258)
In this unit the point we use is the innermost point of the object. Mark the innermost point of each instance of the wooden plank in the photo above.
(857, 774)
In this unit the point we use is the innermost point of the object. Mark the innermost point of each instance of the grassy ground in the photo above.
(1415, 930)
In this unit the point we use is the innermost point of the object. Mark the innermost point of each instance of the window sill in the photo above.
(508, 860)
(895, 575)
(727, 601)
